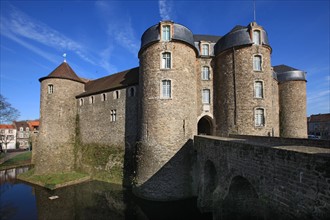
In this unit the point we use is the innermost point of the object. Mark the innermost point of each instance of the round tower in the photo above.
(244, 99)
(292, 102)
(58, 109)
(167, 112)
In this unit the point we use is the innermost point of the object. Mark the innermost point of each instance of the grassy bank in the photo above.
(23, 159)
(55, 180)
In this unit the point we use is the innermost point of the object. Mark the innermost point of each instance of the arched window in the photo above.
(131, 92)
(256, 37)
(166, 60)
(166, 32)
(258, 89)
(91, 99)
(50, 89)
(103, 97)
(81, 102)
(116, 94)
(205, 50)
(206, 96)
(166, 89)
(259, 117)
(205, 73)
(257, 63)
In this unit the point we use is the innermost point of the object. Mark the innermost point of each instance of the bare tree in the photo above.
(5, 139)
(7, 112)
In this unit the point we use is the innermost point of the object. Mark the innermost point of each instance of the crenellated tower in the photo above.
(244, 83)
(167, 112)
(58, 109)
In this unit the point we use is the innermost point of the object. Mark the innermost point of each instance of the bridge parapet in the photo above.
(291, 179)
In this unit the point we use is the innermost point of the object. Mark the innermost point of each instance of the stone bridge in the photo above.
(256, 175)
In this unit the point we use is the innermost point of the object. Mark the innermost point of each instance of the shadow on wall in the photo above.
(242, 202)
(173, 181)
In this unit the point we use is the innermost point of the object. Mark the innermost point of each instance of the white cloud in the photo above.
(19, 27)
(165, 10)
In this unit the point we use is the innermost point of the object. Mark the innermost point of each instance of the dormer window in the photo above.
(256, 37)
(205, 50)
(166, 32)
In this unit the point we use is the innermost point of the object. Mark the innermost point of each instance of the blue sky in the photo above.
(103, 37)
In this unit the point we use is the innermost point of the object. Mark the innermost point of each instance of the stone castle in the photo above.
(185, 85)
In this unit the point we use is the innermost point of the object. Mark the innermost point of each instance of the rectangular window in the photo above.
(50, 89)
(256, 37)
(166, 89)
(257, 63)
(206, 96)
(103, 97)
(166, 60)
(166, 34)
(205, 49)
(259, 117)
(258, 89)
(113, 115)
(205, 73)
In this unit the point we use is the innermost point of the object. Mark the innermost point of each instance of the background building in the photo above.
(319, 125)
(7, 137)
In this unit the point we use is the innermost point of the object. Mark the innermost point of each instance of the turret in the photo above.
(292, 101)
(243, 83)
(167, 112)
(58, 109)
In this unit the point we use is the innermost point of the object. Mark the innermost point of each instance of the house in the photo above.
(23, 134)
(7, 137)
(319, 125)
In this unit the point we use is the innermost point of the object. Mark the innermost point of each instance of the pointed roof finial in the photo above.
(254, 11)
(64, 56)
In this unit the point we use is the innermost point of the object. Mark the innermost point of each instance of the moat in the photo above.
(89, 200)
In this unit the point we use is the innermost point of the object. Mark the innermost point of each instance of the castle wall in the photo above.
(106, 141)
(55, 149)
(235, 102)
(292, 98)
(167, 125)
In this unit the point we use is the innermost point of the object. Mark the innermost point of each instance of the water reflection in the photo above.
(90, 200)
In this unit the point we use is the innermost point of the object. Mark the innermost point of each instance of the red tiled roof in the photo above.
(319, 118)
(33, 124)
(114, 81)
(63, 71)
(3, 126)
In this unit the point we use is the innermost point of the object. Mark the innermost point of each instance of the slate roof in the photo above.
(115, 81)
(201, 37)
(283, 68)
(319, 118)
(63, 71)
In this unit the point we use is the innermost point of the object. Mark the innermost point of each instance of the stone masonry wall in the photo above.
(293, 121)
(235, 100)
(167, 125)
(55, 146)
(293, 180)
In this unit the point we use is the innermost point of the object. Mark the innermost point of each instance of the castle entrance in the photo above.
(205, 126)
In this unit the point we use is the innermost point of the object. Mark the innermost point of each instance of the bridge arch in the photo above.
(205, 125)
(209, 183)
(241, 200)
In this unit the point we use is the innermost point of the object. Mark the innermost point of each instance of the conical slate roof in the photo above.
(63, 71)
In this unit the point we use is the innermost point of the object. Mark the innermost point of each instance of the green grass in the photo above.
(19, 160)
(51, 181)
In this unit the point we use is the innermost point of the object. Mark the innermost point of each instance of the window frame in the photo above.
(91, 99)
(116, 94)
(131, 91)
(259, 117)
(104, 97)
(256, 39)
(166, 89)
(113, 115)
(166, 62)
(206, 100)
(205, 52)
(207, 74)
(50, 89)
(81, 101)
(258, 90)
(257, 64)
(166, 32)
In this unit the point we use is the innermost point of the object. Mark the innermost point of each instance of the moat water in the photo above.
(89, 200)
